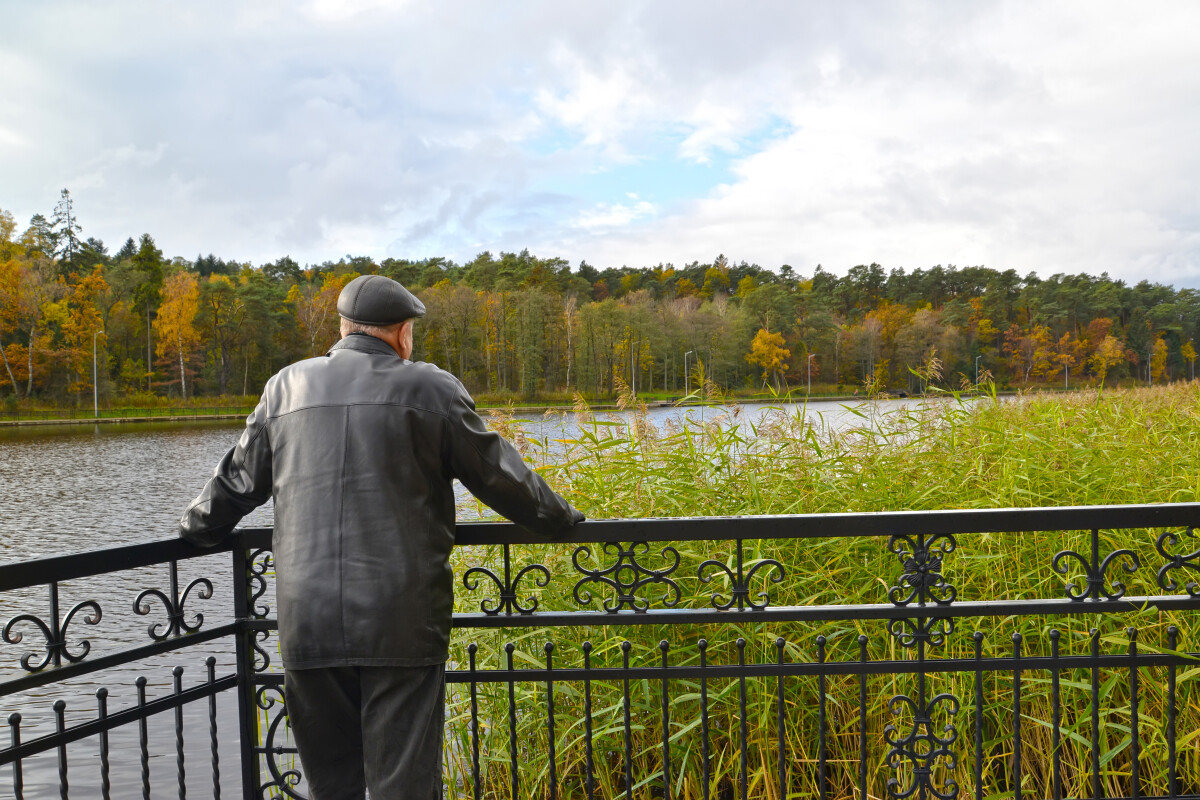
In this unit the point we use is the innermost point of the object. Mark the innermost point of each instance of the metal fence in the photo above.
(709, 658)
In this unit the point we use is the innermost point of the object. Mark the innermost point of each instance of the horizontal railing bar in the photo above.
(793, 526)
(880, 523)
(805, 668)
(68, 671)
(826, 613)
(701, 616)
(41, 571)
(129, 715)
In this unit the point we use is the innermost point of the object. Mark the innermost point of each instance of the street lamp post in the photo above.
(810, 358)
(977, 369)
(685, 372)
(95, 386)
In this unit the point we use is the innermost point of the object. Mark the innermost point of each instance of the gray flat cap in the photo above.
(378, 300)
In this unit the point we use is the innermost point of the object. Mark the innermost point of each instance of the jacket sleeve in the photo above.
(240, 483)
(492, 470)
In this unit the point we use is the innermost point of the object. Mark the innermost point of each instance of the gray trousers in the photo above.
(377, 728)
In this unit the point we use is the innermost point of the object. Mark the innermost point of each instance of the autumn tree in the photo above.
(316, 309)
(1069, 352)
(1158, 359)
(1109, 354)
(1030, 352)
(10, 294)
(1188, 351)
(175, 324)
(767, 351)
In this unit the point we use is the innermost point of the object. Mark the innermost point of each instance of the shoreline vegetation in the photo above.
(140, 409)
(1084, 448)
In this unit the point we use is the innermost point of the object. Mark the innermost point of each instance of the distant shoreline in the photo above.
(483, 409)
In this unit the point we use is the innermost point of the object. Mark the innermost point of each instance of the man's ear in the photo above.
(406, 339)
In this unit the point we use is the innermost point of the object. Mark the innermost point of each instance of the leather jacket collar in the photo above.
(364, 343)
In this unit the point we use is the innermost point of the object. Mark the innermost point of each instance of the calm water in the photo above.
(80, 488)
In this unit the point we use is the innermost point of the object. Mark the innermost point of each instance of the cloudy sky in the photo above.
(1047, 137)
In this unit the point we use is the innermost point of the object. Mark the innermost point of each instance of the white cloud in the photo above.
(615, 215)
(1033, 136)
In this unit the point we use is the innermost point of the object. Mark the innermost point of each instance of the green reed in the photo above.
(1128, 446)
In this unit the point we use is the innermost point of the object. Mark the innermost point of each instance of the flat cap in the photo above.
(378, 300)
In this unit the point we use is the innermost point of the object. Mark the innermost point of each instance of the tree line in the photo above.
(521, 326)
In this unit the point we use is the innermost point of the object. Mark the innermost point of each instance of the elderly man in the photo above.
(359, 449)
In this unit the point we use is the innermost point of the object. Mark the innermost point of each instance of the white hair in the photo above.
(378, 331)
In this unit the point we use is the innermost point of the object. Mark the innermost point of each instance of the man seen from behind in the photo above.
(359, 449)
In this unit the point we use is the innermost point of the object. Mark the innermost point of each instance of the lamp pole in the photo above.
(95, 387)
(685, 372)
(977, 369)
(810, 358)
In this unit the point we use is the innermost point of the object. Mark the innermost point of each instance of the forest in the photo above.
(516, 326)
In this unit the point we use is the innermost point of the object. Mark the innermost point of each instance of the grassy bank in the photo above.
(1126, 446)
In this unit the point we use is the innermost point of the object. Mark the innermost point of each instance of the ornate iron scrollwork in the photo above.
(921, 748)
(1095, 569)
(932, 631)
(262, 660)
(258, 565)
(508, 601)
(54, 632)
(284, 780)
(922, 579)
(1175, 561)
(626, 576)
(740, 580)
(177, 624)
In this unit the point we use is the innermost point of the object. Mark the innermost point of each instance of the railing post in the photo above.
(247, 707)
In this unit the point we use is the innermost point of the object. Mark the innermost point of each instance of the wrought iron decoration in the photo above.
(177, 623)
(740, 580)
(922, 579)
(626, 576)
(508, 601)
(1175, 561)
(54, 632)
(922, 748)
(1096, 570)
(283, 781)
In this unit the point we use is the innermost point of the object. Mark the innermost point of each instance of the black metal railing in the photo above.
(842, 655)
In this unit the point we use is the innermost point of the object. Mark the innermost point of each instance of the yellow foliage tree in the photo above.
(175, 325)
(10, 293)
(1107, 355)
(1188, 351)
(767, 351)
(1158, 359)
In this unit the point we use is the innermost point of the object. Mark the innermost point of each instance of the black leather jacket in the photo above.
(358, 449)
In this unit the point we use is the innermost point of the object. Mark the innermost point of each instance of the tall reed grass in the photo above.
(1126, 446)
